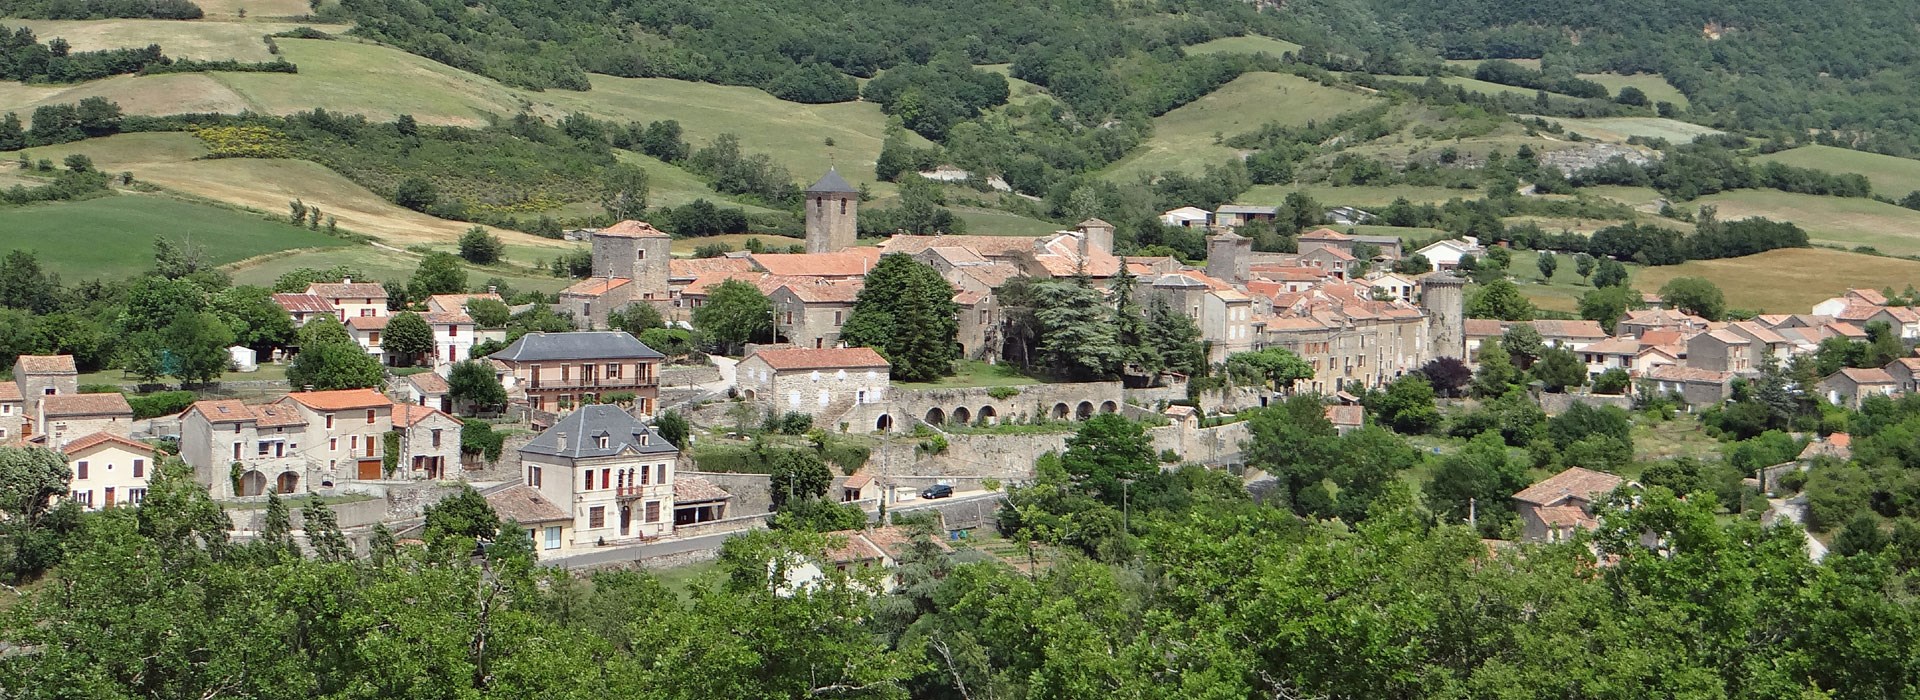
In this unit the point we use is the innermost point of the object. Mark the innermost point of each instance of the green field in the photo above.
(1655, 85)
(1619, 129)
(205, 41)
(1369, 198)
(1246, 45)
(669, 186)
(993, 222)
(1403, 233)
(1845, 221)
(1184, 139)
(1787, 280)
(1892, 176)
(382, 265)
(1637, 197)
(1470, 84)
(684, 247)
(112, 237)
(1562, 293)
(1472, 64)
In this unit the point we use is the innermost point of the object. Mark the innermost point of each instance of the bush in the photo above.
(1003, 393)
(164, 403)
(1791, 482)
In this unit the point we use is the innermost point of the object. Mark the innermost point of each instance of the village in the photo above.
(593, 481)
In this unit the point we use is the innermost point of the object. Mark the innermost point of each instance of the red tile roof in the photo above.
(819, 291)
(9, 391)
(347, 290)
(852, 262)
(524, 505)
(428, 382)
(221, 411)
(303, 303)
(405, 415)
(90, 441)
(457, 302)
(632, 229)
(274, 415)
(1677, 373)
(1874, 375)
(1346, 415)
(595, 286)
(1576, 482)
(369, 323)
(340, 399)
(113, 404)
(1324, 234)
(692, 488)
(689, 268)
(1552, 328)
(821, 358)
(46, 364)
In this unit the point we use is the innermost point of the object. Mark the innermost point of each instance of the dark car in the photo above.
(937, 491)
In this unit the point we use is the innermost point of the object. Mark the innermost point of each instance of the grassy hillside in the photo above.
(1787, 280)
(1619, 129)
(151, 95)
(1892, 176)
(1245, 44)
(1363, 197)
(206, 41)
(1655, 85)
(383, 265)
(1183, 139)
(669, 186)
(119, 233)
(1470, 84)
(1843, 221)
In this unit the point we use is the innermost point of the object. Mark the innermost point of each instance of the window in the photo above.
(135, 496)
(369, 416)
(80, 470)
(601, 442)
(453, 331)
(613, 370)
(333, 444)
(587, 485)
(597, 517)
(653, 511)
(660, 471)
(533, 477)
(836, 317)
(566, 372)
(139, 470)
(644, 473)
(329, 421)
(236, 450)
(84, 498)
(843, 206)
(373, 338)
(640, 254)
(606, 478)
(436, 437)
(353, 443)
(553, 537)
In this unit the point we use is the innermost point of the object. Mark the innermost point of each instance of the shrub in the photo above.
(1003, 393)
(164, 403)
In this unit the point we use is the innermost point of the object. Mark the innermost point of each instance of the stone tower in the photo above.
(637, 251)
(1229, 255)
(833, 212)
(1444, 296)
(1095, 235)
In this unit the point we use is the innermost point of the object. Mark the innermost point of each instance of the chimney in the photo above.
(560, 440)
(493, 289)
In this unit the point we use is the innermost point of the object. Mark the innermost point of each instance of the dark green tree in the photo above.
(409, 337)
(906, 313)
(735, 314)
(438, 273)
(479, 247)
(463, 516)
(1407, 405)
(473, 386)
(1696, 296)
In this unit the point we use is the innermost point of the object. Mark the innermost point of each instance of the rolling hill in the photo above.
(1892, 176)
(1185, 138)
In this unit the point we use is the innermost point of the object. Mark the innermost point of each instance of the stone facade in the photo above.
(824, 383)
(833, 211)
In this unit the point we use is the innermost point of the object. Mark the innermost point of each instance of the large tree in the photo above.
(255, 320)
(735, 314)
(906, 313)
(438, 273)
(1277, 368)
(1500, 299)
(407, 336)
(1477, 482)
(472, 385)
(1076, 330)
(479, 247)
(1175, 337)
(197, 347)
(1607, 305)
(1107, 451)
(1695, 295)
(329, 359)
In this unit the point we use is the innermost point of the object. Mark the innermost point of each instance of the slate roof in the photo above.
(46, 364)
(832, 183)
(821, 358)
(1576, 482)
(576, 345)
(524, 505)
(632, 229)
(60, 405)
(96, 439)
(582, 428)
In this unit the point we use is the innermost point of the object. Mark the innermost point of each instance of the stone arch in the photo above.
(988, 415)
(962, 416)
(286, 483)
(883, 423)
(1060, 411)
(935, 416)
(253, 483)
(1109, 407)
(749, 394)
(1083, 411)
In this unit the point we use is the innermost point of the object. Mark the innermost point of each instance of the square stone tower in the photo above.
(833, 212)
(1229, 257)
(637, 251)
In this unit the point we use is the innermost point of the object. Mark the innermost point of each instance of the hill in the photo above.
(1846, 221)
(1789, 280)
(1892, 176)
(1245, 44)
(202, 40)
(119, 231)
(1185, 138)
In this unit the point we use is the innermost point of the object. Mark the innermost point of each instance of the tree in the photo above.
(1547, 263)
(1277, 368)
(1478, 481)
(1497, 375)
(197, 344)
(1560, 370)
(1583, 264)
(29, 479)
(472, 384)
(464, 515)
(1610, 273)
(1447, 375)
(1613, 381)
(794, 474)
(1105, 451)
(1077, 337)
(1696, 296)
(252, 316)
(735, 314)
(1500, 299)
(636, 319)
(1862, 535)
(1607, 305)
(1523, 344)
(673, 428)
(25, 286)
(329, 359)
(1407, 405)
(1175, 338)
(438, 273)
(408, 337)
(1634, 96)
(906, 313)
(12, 136)
(623, 192)
(416, 193)
(323, 532)
(479, 247)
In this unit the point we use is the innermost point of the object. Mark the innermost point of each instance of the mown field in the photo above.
(1370, 198)
(1469, 84)
(1892, 176)
(382, 265)
(1619, 129)
(1246, 45)
(112, 237)
(1839, 220)
(1184, 139)
(1787, 280)
(202, 40)
(1655, 85)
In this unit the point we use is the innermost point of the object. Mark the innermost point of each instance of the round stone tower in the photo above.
(1444, 296)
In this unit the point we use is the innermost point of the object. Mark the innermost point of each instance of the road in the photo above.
(957, 497)
(1795, 509)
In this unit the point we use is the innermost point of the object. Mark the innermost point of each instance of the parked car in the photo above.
(937, 491)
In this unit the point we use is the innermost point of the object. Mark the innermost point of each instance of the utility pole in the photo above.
(1472, 516)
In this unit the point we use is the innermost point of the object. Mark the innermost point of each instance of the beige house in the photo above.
(560, 371)
(1850, 386)
(67, 417)
(13, 412)
(824, 383)
(259, 443)
(1552, 510)
(811, 311)
(107, 470)
(429, 443)
(547, 525)
(314, 440)
(350, 299)
(612, 474)
(1720, 351)
(1696, 386)
(346, 432)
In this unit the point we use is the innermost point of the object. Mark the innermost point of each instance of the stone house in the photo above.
(612, 474)
(590, 300)
(1720, 351)
(13, 413)
(1610, 354)
(1640, 322)
(1763, 343)
(350, 299)
(1336, 262)
(1324, 238)
(1904, 320)
(1237, 215)
(106, 470)
(1346, 419)
(426, 389)
(1552, 510)
(824, 383)
(237, 449)
(1394, 286)
(1568, 335)
(547, 525)
(67, 417)
(429, 443)
(1849, 387)
(38, 377)
(558, 371)
(346, 432)
(1696, 386)
(1391, 247)
(812, 311)
(1906, 375)
(630, 264)
(304, 307)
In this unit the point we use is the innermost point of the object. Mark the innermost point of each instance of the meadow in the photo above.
(119, 232)
(1372, 198)
(1789, 280)
(1251, 44)
(1653, 84)
(1619, 129)
(205, 41)
(1186, 139)
(1892, 176)
(1838, 220)
(380, 264)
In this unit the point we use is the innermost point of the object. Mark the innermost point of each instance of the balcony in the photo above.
(631, 491)
(596, 383)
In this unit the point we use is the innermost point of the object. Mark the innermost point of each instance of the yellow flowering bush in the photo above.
(244, 142)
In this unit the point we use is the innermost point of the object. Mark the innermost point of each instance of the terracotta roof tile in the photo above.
(1869, 296)
(595, 286)
(690, 268)
(820, 291)
(111, 404)
(524, 505)
(1614, 346)
(1678, 373)
(46, 364)
(457, 302)
(221, 411)
(369, 323)
(1552, 328)
(1346, 415)
(405, 415)
(1324, 234)
(897, 541)
(632, 229)
(275, 415)
(1575, 482)
(428, 382)
(852, 262)
(1484, 328)
(84, 443)
(303, 303)
(340, 399)
(821, 358)
(1873, 375)
(688, 489)
(347, 290)
(9, 391)
(989, 246)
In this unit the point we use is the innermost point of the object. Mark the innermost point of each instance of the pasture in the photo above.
(1892, 176)
(112, 237)
(1185, 139)
(1789, 280)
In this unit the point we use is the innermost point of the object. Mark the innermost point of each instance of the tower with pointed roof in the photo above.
(833, 208)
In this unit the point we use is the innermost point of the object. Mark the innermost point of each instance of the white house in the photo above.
(107, 470)
(1446, 255)
(1187, 217)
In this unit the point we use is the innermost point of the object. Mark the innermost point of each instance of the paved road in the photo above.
(1796, 511)
(957, 497)
(636, 552)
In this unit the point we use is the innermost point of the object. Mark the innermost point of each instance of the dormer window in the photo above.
(601, 442)
(643, 439)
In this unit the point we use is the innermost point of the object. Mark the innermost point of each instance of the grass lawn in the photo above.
(681, 579)
(1618, 129)
(1562, 293)
(381, 265)
(1892, 176)
(1654, 84)
(1664, 440)
(1471, 85)
(1474, 63)
(268, 372)
(147, 95)
(1638, 197)
(1839, 220)
(1416, 233)
(1369, 198)
(112, 237)
(205, 41)
(1788, 280)
(684, 247)
(1183, 139)
(993, 222)
(1245, 44)
(973, 373)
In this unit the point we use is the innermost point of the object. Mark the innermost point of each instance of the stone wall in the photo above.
(1069, 400)
(1010, 458)
(752, 494)
(1555, 404)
